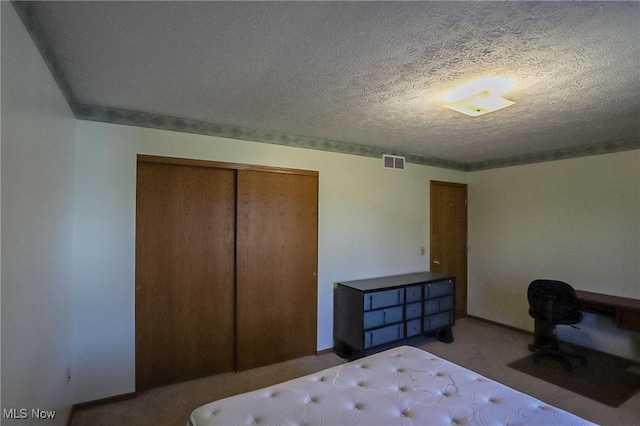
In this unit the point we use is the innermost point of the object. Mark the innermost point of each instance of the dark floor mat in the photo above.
(607, 379)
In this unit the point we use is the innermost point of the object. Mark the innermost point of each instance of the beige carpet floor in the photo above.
(478, 346)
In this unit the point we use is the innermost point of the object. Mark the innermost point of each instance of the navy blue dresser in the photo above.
(373, 312)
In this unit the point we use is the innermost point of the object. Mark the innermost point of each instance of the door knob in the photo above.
(436, 262)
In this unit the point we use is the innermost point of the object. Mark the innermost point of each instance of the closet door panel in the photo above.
(277, 233)
(185, 233)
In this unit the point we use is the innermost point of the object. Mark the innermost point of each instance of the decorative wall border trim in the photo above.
(143, 119)
(25, 12)
(163, 122)
(559, 154)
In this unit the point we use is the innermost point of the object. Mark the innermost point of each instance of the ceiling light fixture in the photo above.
(479, 104)
(480, 96)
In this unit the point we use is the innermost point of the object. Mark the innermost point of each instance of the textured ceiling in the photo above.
(364, 73)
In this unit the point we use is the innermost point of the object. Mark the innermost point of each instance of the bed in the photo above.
(400, 386)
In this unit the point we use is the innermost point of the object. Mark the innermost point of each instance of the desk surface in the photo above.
(605, 299)
(625, 311)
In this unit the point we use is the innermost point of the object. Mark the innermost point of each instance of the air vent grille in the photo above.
(393, 161)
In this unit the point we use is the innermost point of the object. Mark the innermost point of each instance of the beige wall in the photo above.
(37, 229)
(575, 220)
(372, 222)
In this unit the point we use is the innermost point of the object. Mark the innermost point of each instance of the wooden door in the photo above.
(277, 234)
(449, 236)
(184, 305)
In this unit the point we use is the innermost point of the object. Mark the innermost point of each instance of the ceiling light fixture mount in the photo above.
(480, 96)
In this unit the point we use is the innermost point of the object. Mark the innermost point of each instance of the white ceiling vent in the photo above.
(393, 161)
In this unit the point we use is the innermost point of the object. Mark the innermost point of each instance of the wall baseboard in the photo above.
(575, 346)
(497, 324)
(97, 403)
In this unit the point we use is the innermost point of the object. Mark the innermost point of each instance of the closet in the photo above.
(226, 263)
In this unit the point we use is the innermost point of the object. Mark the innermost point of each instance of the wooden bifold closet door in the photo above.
(226, 261)
(276, 267)
(185, 231)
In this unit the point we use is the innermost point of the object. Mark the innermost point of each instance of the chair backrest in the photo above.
(563, 296)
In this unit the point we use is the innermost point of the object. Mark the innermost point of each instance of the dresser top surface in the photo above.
(394, 281)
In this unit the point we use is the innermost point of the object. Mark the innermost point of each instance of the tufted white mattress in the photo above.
(400, 386)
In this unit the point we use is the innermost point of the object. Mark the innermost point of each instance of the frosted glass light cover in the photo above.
(482, 103)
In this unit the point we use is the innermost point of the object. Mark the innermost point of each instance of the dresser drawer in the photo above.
(442, 319)
(382, 299)
(438, 288)
(446, 303)
(382, 317)
(414, 327)
(414, 293)
(383, 335)
(431, 306)
(414, 310)
(438, 304)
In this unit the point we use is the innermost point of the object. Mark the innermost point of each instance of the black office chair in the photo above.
(552, 303)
